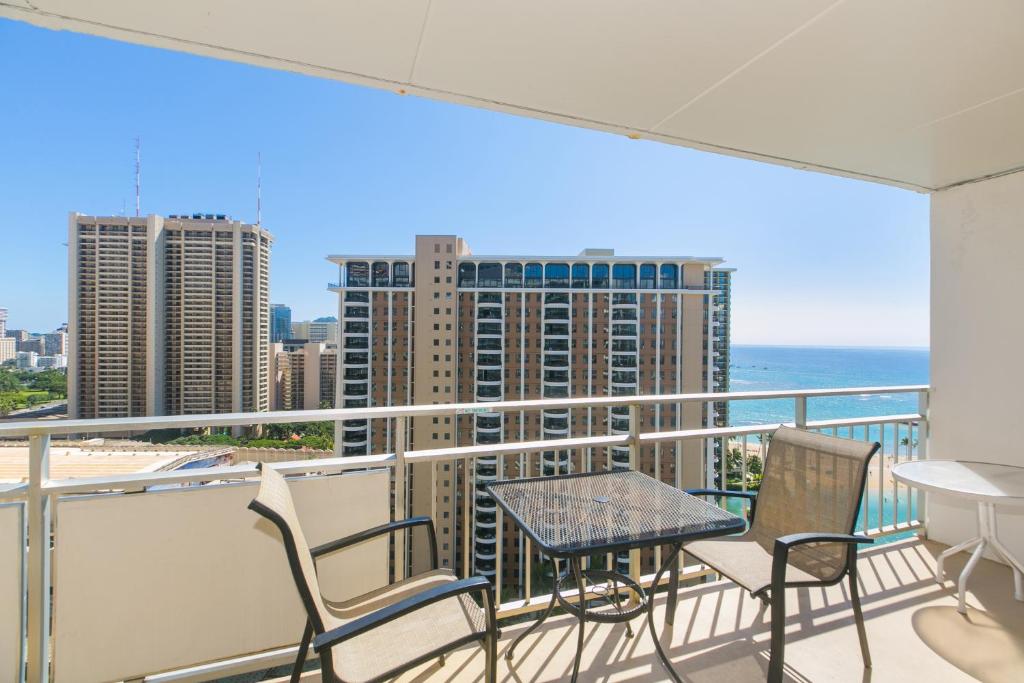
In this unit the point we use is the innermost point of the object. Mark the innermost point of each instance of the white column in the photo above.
(977, 238)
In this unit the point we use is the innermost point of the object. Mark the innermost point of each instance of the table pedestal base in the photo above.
(987, 539)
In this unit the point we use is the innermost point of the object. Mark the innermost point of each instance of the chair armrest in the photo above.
(399, 609)
(750, 496)
(388, 528)
(783, 544)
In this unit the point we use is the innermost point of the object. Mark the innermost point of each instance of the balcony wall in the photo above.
(182, 576)
(976, 332)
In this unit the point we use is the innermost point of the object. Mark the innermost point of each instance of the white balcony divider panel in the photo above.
(977, 373)
(156, 581)
(12, 590)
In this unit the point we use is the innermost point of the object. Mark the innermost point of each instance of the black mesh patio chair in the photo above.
(380, 634)
(801, 527)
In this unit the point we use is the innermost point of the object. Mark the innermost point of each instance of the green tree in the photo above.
(54, 382)
(9, 381)
(7, 404)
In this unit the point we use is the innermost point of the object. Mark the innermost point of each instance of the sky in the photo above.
(821, 260)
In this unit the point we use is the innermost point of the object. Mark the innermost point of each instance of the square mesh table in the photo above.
(577, 515)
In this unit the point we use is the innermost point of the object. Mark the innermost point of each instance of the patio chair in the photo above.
(801, 527)
(377, 636)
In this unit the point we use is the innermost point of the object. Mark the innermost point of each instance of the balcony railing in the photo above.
(140, 556)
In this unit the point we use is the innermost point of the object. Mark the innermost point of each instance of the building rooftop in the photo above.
(72, 462)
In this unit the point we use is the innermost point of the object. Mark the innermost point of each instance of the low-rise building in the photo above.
(26, 360)
(57, 361)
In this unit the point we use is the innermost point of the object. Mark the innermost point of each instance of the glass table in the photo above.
(574, 516)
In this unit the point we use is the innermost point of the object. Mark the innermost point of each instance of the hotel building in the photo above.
(167, 315)
(445, 326)
(304, 377)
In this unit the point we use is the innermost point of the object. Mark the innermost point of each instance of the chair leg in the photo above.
(307, 636)
(491, 658)
(859, 616)
(778, 653)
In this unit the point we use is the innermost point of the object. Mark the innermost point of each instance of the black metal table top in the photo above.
(580, 514)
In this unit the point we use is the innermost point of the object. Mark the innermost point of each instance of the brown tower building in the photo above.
(444, 326)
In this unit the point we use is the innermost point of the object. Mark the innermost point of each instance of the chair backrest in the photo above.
(274, 501)
(812, 483)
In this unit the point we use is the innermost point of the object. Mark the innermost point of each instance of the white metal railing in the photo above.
(888, 507)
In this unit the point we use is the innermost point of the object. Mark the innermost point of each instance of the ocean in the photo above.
(762, 368)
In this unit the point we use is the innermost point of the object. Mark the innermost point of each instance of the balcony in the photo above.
(122, 541)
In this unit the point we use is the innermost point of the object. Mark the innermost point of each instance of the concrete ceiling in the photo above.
(922, 94)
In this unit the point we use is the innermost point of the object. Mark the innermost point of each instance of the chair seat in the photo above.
(385, 648)
(743, 560)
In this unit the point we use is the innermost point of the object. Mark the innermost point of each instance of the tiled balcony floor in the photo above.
(914, 632)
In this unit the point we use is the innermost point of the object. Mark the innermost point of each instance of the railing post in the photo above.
(38, 664)
(401, 539)
(634, 458)
(923, 405)
(800, 412)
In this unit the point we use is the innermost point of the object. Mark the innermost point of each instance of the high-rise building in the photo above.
(56, 343)
(490, 328)
(167, 315)
(3, 323)
(303, 378)
(323, 330)
(36, 345)
(8, 349)
(280, 323)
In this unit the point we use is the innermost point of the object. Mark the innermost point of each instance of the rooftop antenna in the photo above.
(138, 174)
(259, 188)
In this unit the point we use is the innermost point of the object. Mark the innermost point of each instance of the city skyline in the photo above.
(353, 170)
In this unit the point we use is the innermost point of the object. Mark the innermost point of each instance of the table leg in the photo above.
(669, 562)
(961, 585)
(949, 552)
(547, 612)
(574, 563)
(1016, 565)
(673, 594)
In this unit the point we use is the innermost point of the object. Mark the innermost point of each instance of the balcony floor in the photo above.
(913, 629)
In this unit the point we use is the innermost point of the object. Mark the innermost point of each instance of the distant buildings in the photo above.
(26, 360)
(8, 349)
(55, 343)
(303, 377)
(280, 323)
(489, 328)
(321, 330)
(3, 323)
(167, 315)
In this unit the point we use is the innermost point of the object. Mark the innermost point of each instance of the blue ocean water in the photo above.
(762, 368)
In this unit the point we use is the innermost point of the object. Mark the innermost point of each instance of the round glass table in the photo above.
(988, 485)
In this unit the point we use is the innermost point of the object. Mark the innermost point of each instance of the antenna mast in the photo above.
(259, 188)
(138, 174)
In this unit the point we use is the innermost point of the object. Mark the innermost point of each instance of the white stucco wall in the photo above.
(977, 341)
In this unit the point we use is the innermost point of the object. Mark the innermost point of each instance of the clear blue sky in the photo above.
(822, 260)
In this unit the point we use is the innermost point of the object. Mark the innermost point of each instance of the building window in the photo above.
(513, 275)
(533, 275)
(600, 276)
(556, 275)
(624, 276)
(580, 275)
(669, 276)
(648, 276)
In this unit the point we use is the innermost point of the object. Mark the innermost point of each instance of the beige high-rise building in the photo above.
(303, 378)
(167, 315)
(445, 326)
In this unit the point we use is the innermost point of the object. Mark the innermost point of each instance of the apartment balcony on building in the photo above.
(456, 370)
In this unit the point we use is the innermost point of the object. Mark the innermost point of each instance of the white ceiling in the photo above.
(921, 94)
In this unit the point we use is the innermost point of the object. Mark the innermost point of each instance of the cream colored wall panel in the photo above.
(12, 589)
(151, 582)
